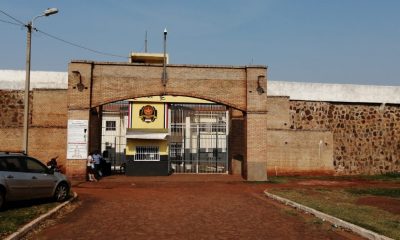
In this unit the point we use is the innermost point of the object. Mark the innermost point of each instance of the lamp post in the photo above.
(29, 26)
(164, 76)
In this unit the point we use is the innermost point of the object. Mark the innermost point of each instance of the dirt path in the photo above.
(180, 208)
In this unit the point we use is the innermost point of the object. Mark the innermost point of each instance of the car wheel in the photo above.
(2, 198)
(61, 193)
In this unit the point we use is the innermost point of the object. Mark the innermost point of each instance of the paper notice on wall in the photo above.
(77, 139)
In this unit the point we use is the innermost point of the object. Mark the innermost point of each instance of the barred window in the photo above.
(147, 153)
(110, 126)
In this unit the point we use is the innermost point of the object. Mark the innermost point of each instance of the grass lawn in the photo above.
(15, 215)
(346, 203)
(388, 177)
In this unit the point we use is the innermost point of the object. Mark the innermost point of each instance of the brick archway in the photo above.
(92, 84)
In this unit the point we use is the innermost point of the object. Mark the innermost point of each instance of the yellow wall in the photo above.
(132, 143)
(138, 123)
(171, 99)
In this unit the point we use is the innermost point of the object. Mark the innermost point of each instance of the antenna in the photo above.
(145, 42)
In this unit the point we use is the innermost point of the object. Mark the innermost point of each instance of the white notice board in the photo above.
(77, 139)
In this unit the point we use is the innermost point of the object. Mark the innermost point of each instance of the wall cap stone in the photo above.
(169, 65)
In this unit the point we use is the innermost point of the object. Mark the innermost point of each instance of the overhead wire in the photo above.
(80, 46)
(13, 23)
(20, 23)
(13, 18)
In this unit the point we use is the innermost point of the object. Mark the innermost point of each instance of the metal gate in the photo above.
(199, 138)
(113, 133)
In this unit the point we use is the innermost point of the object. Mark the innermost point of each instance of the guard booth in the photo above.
(147, 137)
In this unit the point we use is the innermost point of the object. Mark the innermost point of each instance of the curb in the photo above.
(335, 221)
(27, 227)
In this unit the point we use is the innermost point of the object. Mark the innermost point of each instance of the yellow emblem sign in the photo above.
(148, 113)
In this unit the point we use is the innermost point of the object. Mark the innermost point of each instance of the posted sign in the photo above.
(77, 139)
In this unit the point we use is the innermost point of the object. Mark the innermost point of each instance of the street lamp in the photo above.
(29, 26)
(164, 76)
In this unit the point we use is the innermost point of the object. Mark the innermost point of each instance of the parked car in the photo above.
(23, 178)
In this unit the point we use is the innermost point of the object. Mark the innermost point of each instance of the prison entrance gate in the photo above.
(242, 88)
(197, 139)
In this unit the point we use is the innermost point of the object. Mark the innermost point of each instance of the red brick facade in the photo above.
(92, 84)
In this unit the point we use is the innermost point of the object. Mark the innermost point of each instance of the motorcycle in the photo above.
(53, 165)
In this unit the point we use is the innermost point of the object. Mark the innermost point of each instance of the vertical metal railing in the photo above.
(200, 131)
(113, 140)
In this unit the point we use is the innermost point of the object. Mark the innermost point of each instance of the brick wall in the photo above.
(12, 108)
(366, 137)
(236, 145)
(278, 112)
(299, 152)
(49, 108)
(109, 82)
(11, 139)
(47, 124)
(256, 146)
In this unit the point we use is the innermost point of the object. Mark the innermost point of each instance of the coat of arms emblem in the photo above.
(148, 113)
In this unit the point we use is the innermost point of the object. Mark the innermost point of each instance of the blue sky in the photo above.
(328, 41)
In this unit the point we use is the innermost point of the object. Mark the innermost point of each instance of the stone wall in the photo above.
(366, 137)
(295, 152)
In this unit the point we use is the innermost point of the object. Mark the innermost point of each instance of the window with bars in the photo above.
(147, 153)
(110, 126)
(175, 150)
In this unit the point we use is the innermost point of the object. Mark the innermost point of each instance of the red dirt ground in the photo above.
(181, 207)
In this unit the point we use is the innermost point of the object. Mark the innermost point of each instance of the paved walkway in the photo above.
(182, 207)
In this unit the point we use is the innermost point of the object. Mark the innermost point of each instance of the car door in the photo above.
(17, 182)
(42, 180)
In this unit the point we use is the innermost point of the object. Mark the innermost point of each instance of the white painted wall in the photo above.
(334, 92)
(15, 80)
